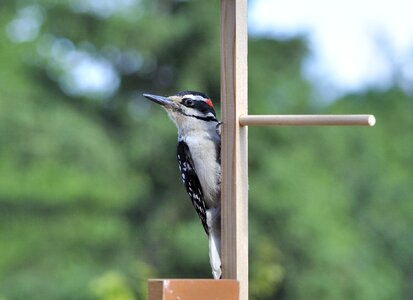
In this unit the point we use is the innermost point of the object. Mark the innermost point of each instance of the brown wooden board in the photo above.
(193, 289)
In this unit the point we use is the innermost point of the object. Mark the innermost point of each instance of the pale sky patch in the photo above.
(354, 44)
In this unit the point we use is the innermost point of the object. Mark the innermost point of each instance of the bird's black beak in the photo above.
(164, 101)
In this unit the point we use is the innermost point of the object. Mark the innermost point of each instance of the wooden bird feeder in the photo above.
(234, 159)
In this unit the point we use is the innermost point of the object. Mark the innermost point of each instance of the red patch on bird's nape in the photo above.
(209, 102)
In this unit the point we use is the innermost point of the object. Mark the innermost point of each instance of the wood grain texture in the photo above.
(307, 120)
(155, 289)
(234, 156)
(192, 289)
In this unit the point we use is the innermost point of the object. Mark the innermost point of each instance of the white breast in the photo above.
(203, 152)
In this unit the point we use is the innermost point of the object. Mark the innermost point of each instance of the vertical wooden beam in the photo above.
(234, 156)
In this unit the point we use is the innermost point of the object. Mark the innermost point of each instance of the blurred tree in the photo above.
(91, 202)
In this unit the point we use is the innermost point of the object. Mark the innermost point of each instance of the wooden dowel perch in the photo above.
(307, 120)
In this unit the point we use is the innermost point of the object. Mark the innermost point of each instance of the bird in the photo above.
(199, 160)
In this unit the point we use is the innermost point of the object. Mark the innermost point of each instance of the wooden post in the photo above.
(234, 194)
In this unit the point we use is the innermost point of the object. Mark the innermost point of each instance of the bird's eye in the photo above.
(188, 102)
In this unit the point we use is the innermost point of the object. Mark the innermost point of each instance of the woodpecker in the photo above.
(199, 160)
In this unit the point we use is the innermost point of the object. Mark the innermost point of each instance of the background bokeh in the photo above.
(91, 203)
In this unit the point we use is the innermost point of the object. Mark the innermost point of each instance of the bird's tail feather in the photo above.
(214, 253)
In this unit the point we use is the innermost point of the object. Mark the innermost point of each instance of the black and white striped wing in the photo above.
(191, 182)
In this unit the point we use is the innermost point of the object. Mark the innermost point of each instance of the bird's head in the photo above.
(186, 108)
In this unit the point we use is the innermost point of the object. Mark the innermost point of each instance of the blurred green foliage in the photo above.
(91, 204)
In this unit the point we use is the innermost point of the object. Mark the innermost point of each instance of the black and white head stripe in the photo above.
(193, 94)
(200, 103)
